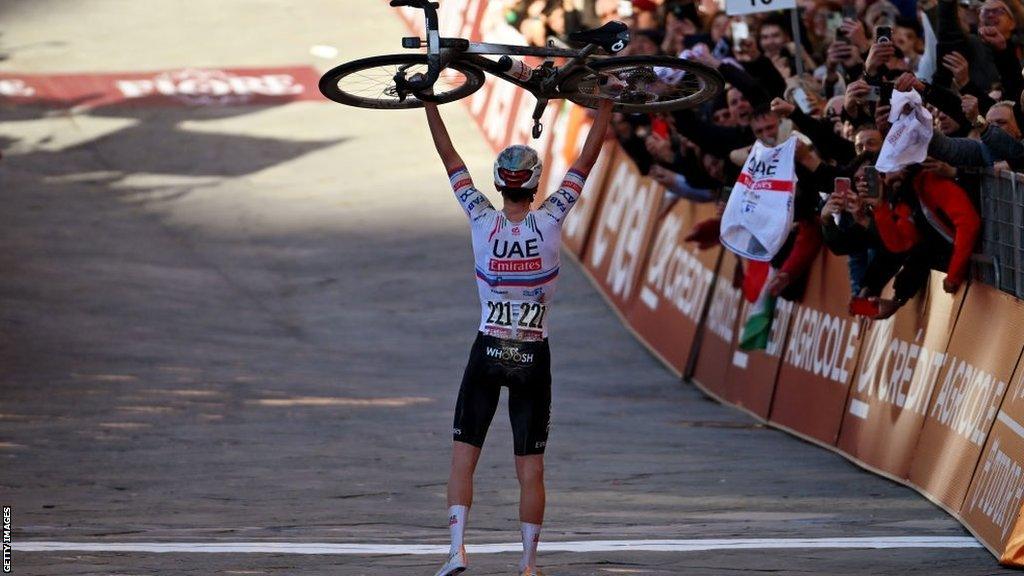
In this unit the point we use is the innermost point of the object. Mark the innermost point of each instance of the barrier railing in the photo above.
(932, 398)
(1002, 208)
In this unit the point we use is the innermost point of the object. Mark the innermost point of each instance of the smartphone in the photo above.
(740, 32)
(659, 127)
(885, 93)
(842, 186)
(874, 94)
(863, 307)
(625, 8)
(883, 34)
(874, 183)
(801, 100)
(835, 20)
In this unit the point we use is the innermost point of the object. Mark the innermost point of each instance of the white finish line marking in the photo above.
(577, 546)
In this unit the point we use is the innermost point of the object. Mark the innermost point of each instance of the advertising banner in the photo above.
(968, 391)
(750, 376)
(898, 365)
(212, 87)
(674, 286)
(720, 329)
(621, 233)
(993, 503)
(821, 355)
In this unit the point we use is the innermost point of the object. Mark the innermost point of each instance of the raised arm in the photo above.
(595, 139)
(451, 159)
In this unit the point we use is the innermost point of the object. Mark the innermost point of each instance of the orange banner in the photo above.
(968, 391)
(993, 504)
(820, 357)
(751, 374)
(621, 233)
(719, 331)
(674, 286)
(898, 364)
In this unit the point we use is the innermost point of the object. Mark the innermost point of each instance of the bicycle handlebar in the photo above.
(433, 42)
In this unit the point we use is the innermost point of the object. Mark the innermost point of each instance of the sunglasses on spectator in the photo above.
(994, 11)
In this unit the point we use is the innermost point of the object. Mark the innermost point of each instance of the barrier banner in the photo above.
(214, 87)
(993, 504)
(621, 233)
(674, 286)
(577, 225)
(720, 329)
(751, 374)
(896, 373)
(967, 394)
(821, 355)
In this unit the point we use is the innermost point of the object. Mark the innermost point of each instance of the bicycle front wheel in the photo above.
(652, 83)
(370, 82)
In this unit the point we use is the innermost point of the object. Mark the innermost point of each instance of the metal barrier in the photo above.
(1002, 247)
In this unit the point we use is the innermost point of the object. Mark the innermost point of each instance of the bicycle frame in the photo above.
(441, 51)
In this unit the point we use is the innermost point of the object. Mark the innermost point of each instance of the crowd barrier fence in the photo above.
(932, 398)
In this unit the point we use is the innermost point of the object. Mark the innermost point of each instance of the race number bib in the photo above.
(507, 318)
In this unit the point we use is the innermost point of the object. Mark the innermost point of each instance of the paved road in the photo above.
(249, 324)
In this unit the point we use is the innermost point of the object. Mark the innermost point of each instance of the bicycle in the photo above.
(636, 83)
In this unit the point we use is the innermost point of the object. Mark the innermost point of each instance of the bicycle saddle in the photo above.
(613, 36)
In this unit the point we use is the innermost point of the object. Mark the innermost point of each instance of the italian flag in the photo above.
(759, 317)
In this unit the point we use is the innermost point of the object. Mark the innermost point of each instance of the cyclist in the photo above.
(517, 255)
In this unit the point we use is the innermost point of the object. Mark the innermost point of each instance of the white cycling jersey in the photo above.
(516, 262)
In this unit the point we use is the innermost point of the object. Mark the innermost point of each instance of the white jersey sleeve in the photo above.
(472, 200)
(558, 204)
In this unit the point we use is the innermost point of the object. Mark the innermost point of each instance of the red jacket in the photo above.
(948, 202)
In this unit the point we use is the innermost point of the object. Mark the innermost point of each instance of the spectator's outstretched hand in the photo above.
(958, 65)
(843, 53)
(990, 35)
(856, 91)
(886, 308)
(834, 205)
(662, 176)
(782, 107)
(882, 119)
(970, 106)
(660, 148)
(779, 283)
(854, 30)
(939, 168)
(906, 81)
(878, 56)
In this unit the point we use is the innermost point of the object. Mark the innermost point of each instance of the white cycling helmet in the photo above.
(518, 166)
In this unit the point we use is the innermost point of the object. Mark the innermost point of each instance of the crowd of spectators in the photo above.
(962, 56)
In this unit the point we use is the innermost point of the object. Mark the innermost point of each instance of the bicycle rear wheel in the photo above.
(370, 83)
(653, 83)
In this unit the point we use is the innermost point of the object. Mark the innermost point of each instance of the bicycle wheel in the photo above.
(653, 83)
(370, 82)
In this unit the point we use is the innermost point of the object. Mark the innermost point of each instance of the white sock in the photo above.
(457, 524)
(531, 536)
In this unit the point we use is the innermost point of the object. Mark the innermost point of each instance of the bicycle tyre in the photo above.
(708, 83)
(387, 67)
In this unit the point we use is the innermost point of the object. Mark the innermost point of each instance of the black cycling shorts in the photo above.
(525, 368)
